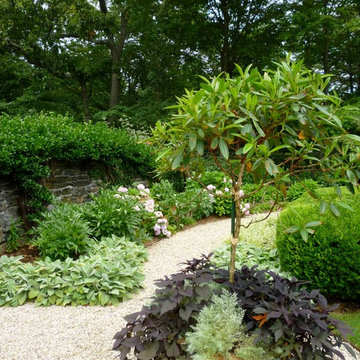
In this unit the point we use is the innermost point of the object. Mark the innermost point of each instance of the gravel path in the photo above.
(85, 333)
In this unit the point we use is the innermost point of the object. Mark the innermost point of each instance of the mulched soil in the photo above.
(27, 251)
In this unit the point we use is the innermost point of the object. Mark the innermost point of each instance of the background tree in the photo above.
(271, 126)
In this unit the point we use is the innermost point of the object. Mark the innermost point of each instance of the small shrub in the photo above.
(109, 215)
(108, 274)
(297, 189)
(218, 327)
(328, 258)
(62, 233)
(14, 236)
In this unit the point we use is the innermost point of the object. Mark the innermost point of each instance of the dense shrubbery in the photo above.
(182, 208)
(328, 256)
(29, 143)
(297, 189)
(288, 320)
(108, 274)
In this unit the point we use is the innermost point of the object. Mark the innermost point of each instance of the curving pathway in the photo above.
(85, 333)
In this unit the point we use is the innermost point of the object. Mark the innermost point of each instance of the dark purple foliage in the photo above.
(280, 311)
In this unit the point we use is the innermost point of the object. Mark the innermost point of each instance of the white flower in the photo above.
(247, 213)
(137, 208)
(141, 187)
(241, 193)
(158, 214)
(167, 233)
(211, 195)
(162, 221)
(224, 180)
(118, 196)
(218, 192)
(211, 187)
(157, 227)
(227, 189)
(230, 181)
(149, 205)
(122, 189)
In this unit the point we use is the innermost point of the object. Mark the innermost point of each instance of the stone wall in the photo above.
(8, 206)
(67, 182)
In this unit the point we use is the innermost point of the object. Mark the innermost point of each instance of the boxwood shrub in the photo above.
(329, 258)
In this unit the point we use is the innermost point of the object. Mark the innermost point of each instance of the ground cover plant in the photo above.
(323, 249)
(270, 126)
(109, 273)
(286, 318)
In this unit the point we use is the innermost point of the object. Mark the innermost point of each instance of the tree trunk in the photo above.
(85, 99)
(116, 49)
(235, 238)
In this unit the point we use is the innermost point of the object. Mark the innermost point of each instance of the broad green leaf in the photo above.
(215, 143)
(323, 206)
(304, 234)
(247, 148)
(345, 206)
(224, 148)
(291, 229)
(313, 223)
(177, 160)
(334, 210)
(192, 141)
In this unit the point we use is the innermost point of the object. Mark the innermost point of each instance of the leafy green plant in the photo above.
(323, 249)
(218, 327)
(108, 274)
(13, 238)
(110, 215)
(62, 232)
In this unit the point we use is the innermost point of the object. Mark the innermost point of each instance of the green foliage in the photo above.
(249, 255)
(299, 188)
(54, 137)
(108, 274)
(323, 249)
(62, 232)
(182, 208)
(14, 235)
(109, 215)
(218, 327)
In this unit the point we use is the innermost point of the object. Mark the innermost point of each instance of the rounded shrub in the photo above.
(329, 258)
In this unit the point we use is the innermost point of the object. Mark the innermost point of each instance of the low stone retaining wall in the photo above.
(67, 182)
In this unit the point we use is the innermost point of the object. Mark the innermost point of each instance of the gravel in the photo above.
(85, 333)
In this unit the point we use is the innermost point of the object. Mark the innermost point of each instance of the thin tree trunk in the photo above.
(235, 238)
(116, 50)
(85, 99)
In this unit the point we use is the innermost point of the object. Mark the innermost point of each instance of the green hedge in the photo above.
(29, 143)
(108, 274)
(329, 258)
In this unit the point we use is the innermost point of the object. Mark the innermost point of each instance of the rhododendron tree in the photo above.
(269, 125)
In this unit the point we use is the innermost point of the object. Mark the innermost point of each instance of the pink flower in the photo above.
(226, 189)
(224, 180)
(167, 233)
(247, 213)
(157, 232)
(158, 214)
(149, 205)
(247, 206)
(241, 193)
(141, 187)
(162, 221)
(122, 189)
(211, 195)
(211, 187)
(157, 227)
